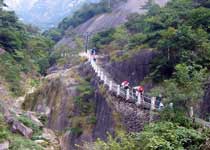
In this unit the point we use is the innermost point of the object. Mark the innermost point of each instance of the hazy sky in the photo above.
(16, 4)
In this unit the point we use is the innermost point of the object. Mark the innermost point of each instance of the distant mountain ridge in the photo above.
(45, 13)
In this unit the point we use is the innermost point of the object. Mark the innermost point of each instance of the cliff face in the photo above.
(133, 69)
(55, 99)
(83, 118)
(205, 105)
(100, 111)
(104, 21)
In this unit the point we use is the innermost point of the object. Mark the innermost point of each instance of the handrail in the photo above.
(147, 102)
(114, 87)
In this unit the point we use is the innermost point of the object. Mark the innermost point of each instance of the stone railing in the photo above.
(128, 94)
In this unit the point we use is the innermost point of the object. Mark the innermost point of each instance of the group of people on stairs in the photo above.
(136, 90)
(140, 90)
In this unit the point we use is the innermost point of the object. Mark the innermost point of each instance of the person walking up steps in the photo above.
(159, 101)
(137, 90)
(125, 84)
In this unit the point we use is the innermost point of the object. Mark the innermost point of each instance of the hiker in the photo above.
(125, 84)
(159, 101)
(94, 58)
(139, 89)
(93, 51)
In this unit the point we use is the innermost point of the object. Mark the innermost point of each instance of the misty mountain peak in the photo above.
(44, 13)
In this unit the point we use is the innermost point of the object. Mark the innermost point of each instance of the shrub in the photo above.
(92, 120)
(29, 123)
(76, 131)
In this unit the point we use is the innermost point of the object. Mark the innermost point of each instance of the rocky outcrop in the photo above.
(133, 69)
(105, 21)
(4, 145)
(57, 99)
(15, 125)
(34, 119)
(54, 99)
(205, 105)
(105, 121)
(18, 127)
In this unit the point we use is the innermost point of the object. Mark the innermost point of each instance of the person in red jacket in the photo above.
(125, 84)
(139, 89)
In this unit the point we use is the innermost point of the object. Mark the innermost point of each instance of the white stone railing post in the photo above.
(127, 94)
(105, 79)
(110, 85)
(139, 99)
(89, 56)
(118, 90)
(153, 99)
(96, 69)
(99, 72)
(191, 112)
(102, 75)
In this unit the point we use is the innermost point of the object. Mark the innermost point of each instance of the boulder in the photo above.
(4, 145)
(19, 127)
(49, 135)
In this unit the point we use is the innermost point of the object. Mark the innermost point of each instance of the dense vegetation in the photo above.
(24, 51)
(179, 33)
(16, 141)
(163, 135)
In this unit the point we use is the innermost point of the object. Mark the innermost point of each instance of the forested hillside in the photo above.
(179, 35)
(83, 105)
(86, 12)
(24, 52)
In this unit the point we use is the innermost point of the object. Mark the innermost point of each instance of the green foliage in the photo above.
(29, 123)
(178, 116)
(83, 101)
(103, 38)
(26, 51)
(121, 142)
(118, 37)
(3, 129)
(161, 135)
(76, 131)
(11, 72)
(169, 136)
(185, 88)
(54, 34)
(179, 32)
(92, 120)
(10, 39)
(17, 142)
(83, 14)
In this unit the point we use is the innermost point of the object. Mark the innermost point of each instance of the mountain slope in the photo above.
(44, 14)
(117, 17)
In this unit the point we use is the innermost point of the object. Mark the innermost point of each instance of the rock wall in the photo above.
(134, 69)
(205, 105)
(55, 99)
(106, 21)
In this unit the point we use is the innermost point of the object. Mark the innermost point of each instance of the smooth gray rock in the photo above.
(4, 145)
(19, 127)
